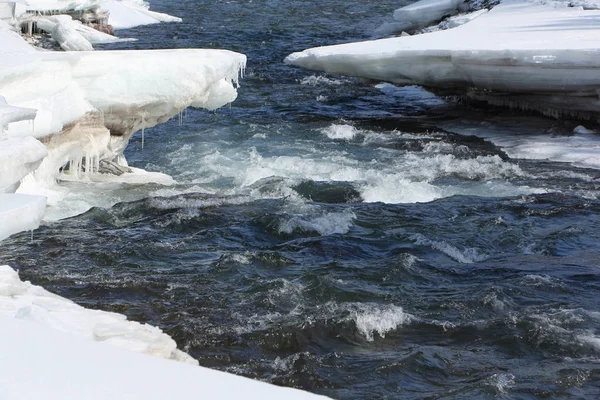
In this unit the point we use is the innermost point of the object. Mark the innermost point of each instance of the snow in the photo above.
(10, 114)
(68, 38)
(53, 349)
(79, 37)
(123, 13)
(85, 106)
(18, 157)
(40, 363)
(24, 301)
(98, 100)
(128, 14)
(545, 56)
(420, 14)
(20, 213)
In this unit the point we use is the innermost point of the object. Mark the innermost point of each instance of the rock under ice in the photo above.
(542, 56)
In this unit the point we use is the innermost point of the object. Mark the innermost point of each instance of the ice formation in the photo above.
(122, 13)
(54, 349)
(85, 106)
(76, 111)
(421, 14)
(521, 54)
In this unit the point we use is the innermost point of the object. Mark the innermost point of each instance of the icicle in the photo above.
(143, 129)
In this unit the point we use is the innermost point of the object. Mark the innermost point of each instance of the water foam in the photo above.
(467, 255)
(339, 131)
(315, 80)
(324, 224)
(373, 319)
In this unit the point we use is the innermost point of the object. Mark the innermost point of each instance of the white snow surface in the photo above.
(18, 157)
(10, 114)
(20, 213)
(123, 13)
(425, 12)
(87, 105)
(128, 14)
(40, 363)
(24, 301)
(54, 349)
(546, 51)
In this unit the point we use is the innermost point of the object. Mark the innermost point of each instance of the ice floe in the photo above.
(527, 55)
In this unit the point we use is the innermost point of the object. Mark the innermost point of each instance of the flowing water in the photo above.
(337, 237)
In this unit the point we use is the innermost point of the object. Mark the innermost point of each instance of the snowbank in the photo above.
(123, 13)
(421, 14)
(128, 14)
(87, 105)
(24, 301)
(54, 349)
(520, 54)
(20, 213)
(18, 157)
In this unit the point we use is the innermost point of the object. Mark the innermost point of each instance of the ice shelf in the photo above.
(521, 54)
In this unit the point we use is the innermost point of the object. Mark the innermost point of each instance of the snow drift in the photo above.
(543, 57)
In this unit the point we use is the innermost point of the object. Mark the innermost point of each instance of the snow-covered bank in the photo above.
(24, 301)
(53, 349)
(526, 55)
(71, 115)
(85, 106)
(122, 13)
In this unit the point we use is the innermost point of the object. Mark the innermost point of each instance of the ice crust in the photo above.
(544, 57)
(18, 157)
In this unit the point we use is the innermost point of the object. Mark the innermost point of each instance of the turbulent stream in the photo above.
(339, 237)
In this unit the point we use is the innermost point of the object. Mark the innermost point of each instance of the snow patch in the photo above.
(22, 300)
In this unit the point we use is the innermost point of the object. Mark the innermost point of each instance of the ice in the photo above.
(123, 13)
(90, 35)
(525, 55)
(89, 104)
(529, 138)
(128, 14)
(22, 300)
(420, 14)
(18, 157)
(68, 38)
(54, 349)
(20, 213)
(10, 114)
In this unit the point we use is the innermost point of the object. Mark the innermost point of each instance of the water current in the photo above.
(357, 241)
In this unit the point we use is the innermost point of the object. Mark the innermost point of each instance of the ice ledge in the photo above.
(549, 56)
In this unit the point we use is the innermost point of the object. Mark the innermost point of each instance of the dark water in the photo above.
(327, 235)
